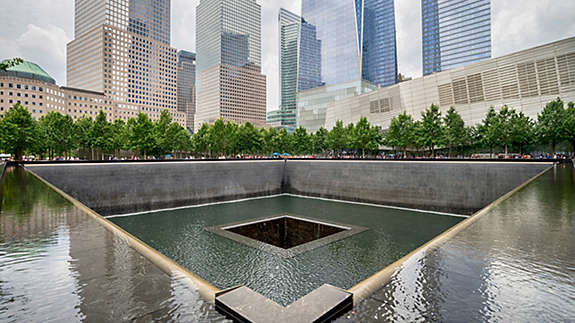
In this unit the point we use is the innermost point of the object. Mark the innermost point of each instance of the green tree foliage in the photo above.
(179, 139)
(250, 140)
(201, 141)
(569, 126)
(120, 136)
(101, 134)
(337, 138)
(143, 135)
(522, 131)
(10, 63)
(57, 131)
(269, 140)
(301, 141)
(487, 131)
(455, 134)
(432, 128)
(283, 142)
(401, 132)
(505, 127)
(550, 123)
(319, 141)
(18, 131)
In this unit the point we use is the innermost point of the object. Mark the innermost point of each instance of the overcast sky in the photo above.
(38, 30)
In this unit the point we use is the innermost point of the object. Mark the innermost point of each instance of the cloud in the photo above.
(45, 46)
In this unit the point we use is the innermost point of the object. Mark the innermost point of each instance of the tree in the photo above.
(319, 141)
(336, 140)
(142, 137)
(58, 133)
(455, 133)
(201, 141)
(366, 137)
(505, 127)
(550, 123)
(120, 136)
(488, 132)
(250, 140)
(163, 143)
(432, 127)
(301, 141)
(10, 63)
(269, 140)
(569, 126)
(283, 141)
(522, 131)
(179, 138)
(18, 131)
(401, 132)
(82, 134)
(101, 134)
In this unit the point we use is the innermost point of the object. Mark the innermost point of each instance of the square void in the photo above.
(286, 235)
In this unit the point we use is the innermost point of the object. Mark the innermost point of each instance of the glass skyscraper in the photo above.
(151, 19)
(357, 37)
(187, 86)
(455, 33)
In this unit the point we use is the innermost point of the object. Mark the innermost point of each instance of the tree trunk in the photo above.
(521, 150)
(506, 149)
(363, 152)
(573, 143)
(552, 148)
(92, 150)
(18, 155)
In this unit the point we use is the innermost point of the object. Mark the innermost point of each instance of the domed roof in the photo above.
(29, 70)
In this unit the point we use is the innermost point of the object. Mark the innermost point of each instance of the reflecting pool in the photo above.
(515, 264)
(183, 236)
(57, 264)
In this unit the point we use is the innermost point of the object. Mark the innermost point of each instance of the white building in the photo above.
(526, 81)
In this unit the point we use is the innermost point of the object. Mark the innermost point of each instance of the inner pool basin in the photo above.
(184, 235)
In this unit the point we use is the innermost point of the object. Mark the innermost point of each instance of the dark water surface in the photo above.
(515, 264)
(58, 265)
(181, 235)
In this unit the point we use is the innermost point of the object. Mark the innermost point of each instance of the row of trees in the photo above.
(229, 138)
(58, 135)
(505, 128)
(55, 134)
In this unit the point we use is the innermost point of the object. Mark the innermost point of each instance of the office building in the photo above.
(526, 80)
(121, 48)
(455, 33)
(229, 82)
(358, 39)
(187, 86)
(29, 85)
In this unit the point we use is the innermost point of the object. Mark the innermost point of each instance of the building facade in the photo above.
(455, 33)
(229, 82)
(121, 48)
(526, 80)
(187, 86)
(29, 85)
(313, 104)
(358, 39)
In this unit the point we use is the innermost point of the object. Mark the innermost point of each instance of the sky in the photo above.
(38, 31)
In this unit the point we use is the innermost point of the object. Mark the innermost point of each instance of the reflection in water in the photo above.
(516, 263)
(58, 264)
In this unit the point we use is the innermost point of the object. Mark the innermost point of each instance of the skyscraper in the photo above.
(299, 66)
(187, 86)
(357, 37)
(229, 82)
(455, 33)
(122, 49)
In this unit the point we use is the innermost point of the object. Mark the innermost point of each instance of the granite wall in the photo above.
(118, 188)
(457, 187)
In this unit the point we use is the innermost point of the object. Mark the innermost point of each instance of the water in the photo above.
(58, 265)
(181, 235)
(515, 264)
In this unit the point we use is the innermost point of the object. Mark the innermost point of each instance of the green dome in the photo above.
(29, 70)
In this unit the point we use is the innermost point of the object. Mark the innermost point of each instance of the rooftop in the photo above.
(29, 70)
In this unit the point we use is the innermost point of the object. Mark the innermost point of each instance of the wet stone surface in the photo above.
(59, 265)
(515, 264)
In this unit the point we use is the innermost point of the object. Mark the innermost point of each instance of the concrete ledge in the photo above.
(321, 305)
(205, 289)
(372, 284)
